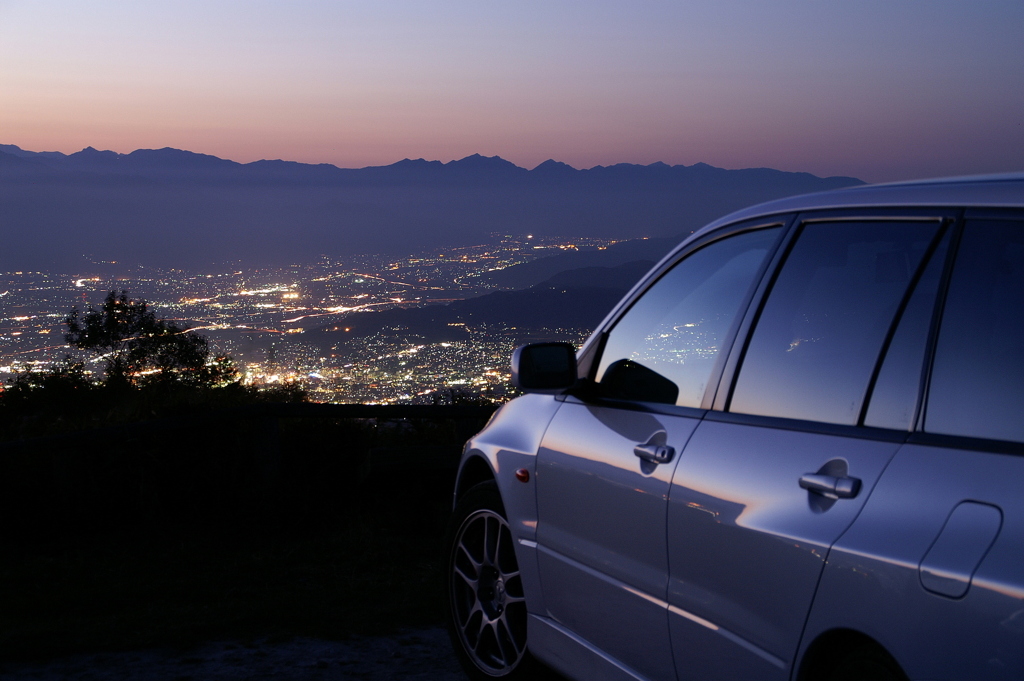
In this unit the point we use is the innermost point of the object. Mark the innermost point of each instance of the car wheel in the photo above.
(486, 604)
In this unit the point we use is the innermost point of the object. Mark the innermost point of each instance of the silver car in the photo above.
(795, 450)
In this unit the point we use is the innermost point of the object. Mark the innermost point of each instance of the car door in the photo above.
(782, 466)
(605, 464)
(931, 569)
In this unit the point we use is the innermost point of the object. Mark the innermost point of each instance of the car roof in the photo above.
(1004, 190)
(995, 191)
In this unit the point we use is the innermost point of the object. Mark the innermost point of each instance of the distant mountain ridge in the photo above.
(169, 161)
(179, 208)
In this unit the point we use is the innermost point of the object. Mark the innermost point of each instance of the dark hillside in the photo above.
(574, 299)
(538, 271)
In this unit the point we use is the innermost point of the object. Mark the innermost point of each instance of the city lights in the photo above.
(251, 315)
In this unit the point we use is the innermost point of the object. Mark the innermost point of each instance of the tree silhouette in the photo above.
(139, 349)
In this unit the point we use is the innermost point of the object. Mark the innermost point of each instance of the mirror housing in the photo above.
(546, 368)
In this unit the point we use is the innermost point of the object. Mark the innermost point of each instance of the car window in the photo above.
(893, 401)
(664, 348)
(977, 381)
(821, 331)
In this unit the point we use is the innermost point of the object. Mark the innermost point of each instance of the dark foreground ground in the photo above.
(363, 602)
(119, 594)
(257, 546)
(409, 655)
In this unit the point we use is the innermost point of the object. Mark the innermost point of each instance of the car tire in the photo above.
(486, 604)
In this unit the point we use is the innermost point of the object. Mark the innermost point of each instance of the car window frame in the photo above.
(947, 217)
(589, 359)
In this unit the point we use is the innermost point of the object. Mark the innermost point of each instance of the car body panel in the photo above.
(508, 443)
(569, 654)
(873, 580)
(747, 544)
(603, 561)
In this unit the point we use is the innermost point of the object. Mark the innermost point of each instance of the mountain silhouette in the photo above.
(175, 208)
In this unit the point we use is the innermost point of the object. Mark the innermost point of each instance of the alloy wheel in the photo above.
(486, 591)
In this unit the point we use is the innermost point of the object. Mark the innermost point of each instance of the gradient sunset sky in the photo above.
(881, 90)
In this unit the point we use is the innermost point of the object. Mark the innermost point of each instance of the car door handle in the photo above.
(830, 486)
(654, 453)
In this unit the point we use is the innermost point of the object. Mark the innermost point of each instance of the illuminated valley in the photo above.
(288, 325)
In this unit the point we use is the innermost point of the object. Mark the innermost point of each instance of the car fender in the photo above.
(508, 445)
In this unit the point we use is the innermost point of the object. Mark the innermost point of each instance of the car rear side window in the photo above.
(822, 328)
(664, 348)
(977, 381)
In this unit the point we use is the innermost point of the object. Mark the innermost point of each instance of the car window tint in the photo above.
(664, 348)
(977, 382)
(894, 398)
(821, 331)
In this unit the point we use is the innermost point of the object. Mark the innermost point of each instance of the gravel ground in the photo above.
(413, 655)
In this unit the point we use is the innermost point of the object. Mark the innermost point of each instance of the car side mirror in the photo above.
(544, 367)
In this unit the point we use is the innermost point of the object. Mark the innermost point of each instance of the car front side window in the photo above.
(664, 348)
